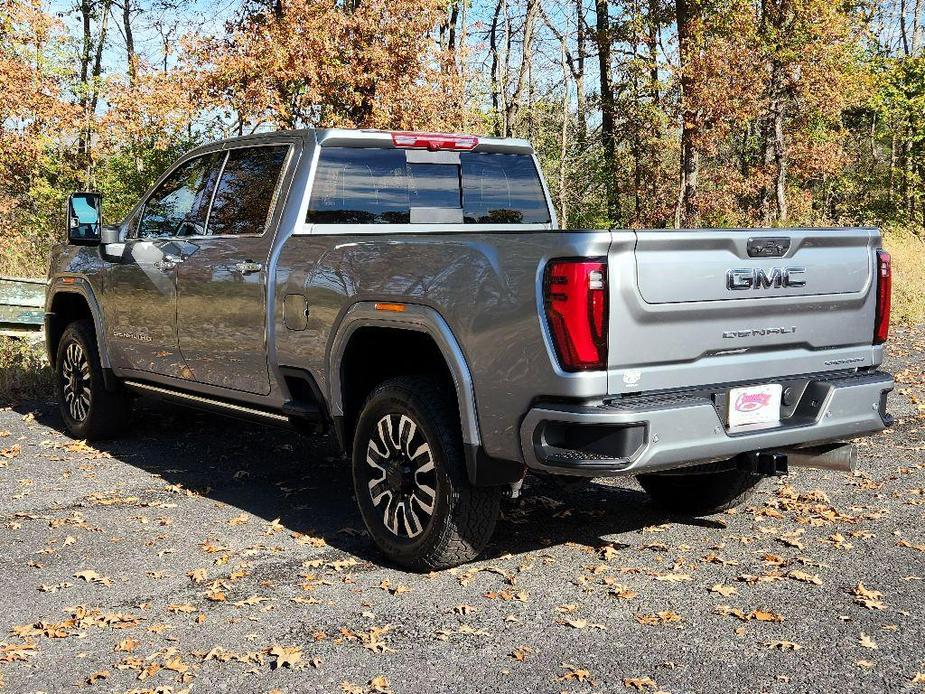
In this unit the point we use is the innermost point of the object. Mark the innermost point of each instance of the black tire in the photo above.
(89, 410)
(393, 471)
(702, 489)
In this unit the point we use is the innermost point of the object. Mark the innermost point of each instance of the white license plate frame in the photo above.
(754, 405)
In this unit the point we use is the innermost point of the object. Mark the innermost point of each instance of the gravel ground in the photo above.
(202, 554)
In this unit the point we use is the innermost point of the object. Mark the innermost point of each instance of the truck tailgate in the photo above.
(692, 308)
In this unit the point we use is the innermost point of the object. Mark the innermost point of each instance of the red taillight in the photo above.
(435, 141)
(884, 292)
(575, 296)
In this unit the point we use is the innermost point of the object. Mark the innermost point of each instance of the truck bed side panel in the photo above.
(487, 286)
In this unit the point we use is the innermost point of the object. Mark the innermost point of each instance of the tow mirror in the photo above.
(84, 226)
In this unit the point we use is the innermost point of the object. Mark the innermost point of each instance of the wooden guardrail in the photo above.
(22, 306)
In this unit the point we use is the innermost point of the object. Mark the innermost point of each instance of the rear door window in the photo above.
(246, 189)
(356, 185)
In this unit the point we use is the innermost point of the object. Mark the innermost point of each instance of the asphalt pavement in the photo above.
(201, 554)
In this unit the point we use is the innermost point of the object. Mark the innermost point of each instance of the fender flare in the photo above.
(418, 318)
(69, 284)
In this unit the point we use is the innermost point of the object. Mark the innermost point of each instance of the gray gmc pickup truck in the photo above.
(412, 293)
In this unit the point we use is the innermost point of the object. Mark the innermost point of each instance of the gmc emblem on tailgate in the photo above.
(747, 278)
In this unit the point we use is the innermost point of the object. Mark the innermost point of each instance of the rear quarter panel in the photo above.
(486, 286)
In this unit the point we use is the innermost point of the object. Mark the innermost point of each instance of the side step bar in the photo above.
(206, 403)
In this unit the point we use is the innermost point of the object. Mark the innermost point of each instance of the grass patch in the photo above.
(25, 373)
(907, 248)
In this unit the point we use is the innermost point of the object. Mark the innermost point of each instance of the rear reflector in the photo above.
(575, 298)
(884, 295)
(435, 141)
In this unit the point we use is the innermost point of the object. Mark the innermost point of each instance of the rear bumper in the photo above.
(651, 433)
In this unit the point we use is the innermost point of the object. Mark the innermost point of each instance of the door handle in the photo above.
(168, 262)
(248, 267)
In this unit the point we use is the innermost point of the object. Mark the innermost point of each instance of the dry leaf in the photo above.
(867, 642)
(574, 673)
(521, 652)
(380, 685)
(286, 656)
(127, 645)
(639, 683)
(868, 597)
(783, 645)
(805, 577)
(581, 624)
(98, 676)
(665, 617)
(724, 590)
(91, 576)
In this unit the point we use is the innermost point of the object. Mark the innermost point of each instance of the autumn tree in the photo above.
(290, 64)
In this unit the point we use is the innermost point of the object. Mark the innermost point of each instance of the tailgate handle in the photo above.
(768, 247)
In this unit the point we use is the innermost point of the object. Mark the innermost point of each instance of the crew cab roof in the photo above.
(347, 137)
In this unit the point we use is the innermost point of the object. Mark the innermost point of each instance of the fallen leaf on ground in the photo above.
(574, 673)
(521, 652)
(286, 656)
(91, 576)
(665, 617)
(805, 577)
(783, 645)
(98, 676)
(868, 597)
(724, 590)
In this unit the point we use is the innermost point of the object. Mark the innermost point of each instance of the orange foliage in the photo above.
(319, 64)
(31, 109)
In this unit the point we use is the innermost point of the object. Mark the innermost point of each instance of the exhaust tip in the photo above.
(839, 457)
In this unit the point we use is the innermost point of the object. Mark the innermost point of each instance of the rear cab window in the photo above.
(365, 185)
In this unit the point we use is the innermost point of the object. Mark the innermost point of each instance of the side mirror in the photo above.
(84, 225)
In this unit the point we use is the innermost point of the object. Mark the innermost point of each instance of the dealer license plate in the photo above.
(754, 404)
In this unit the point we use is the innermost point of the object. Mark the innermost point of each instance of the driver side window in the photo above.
(179, 205)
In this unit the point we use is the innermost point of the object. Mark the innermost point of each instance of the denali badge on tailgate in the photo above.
(748, 278)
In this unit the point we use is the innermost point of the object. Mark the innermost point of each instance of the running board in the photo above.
(210, 404)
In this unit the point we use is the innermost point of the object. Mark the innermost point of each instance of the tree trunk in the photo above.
(523, 73)
(83, 99)
(686, 13)
(652, 25)
(496, 82)
(563, 147)
(579, 74)
(780, 162)
(131, 58)
(608, 138)
(892, 175)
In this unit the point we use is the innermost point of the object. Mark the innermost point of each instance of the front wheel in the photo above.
(410, 480)
(89, 410)
(702, 489)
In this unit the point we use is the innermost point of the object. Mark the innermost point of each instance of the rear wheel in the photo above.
(410, 479)
(89, 410)
(702, 489)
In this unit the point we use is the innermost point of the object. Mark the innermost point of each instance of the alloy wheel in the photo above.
(75, 375)
(402, 479)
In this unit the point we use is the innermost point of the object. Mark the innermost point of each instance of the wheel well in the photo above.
(66, 307)
(375, 354)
